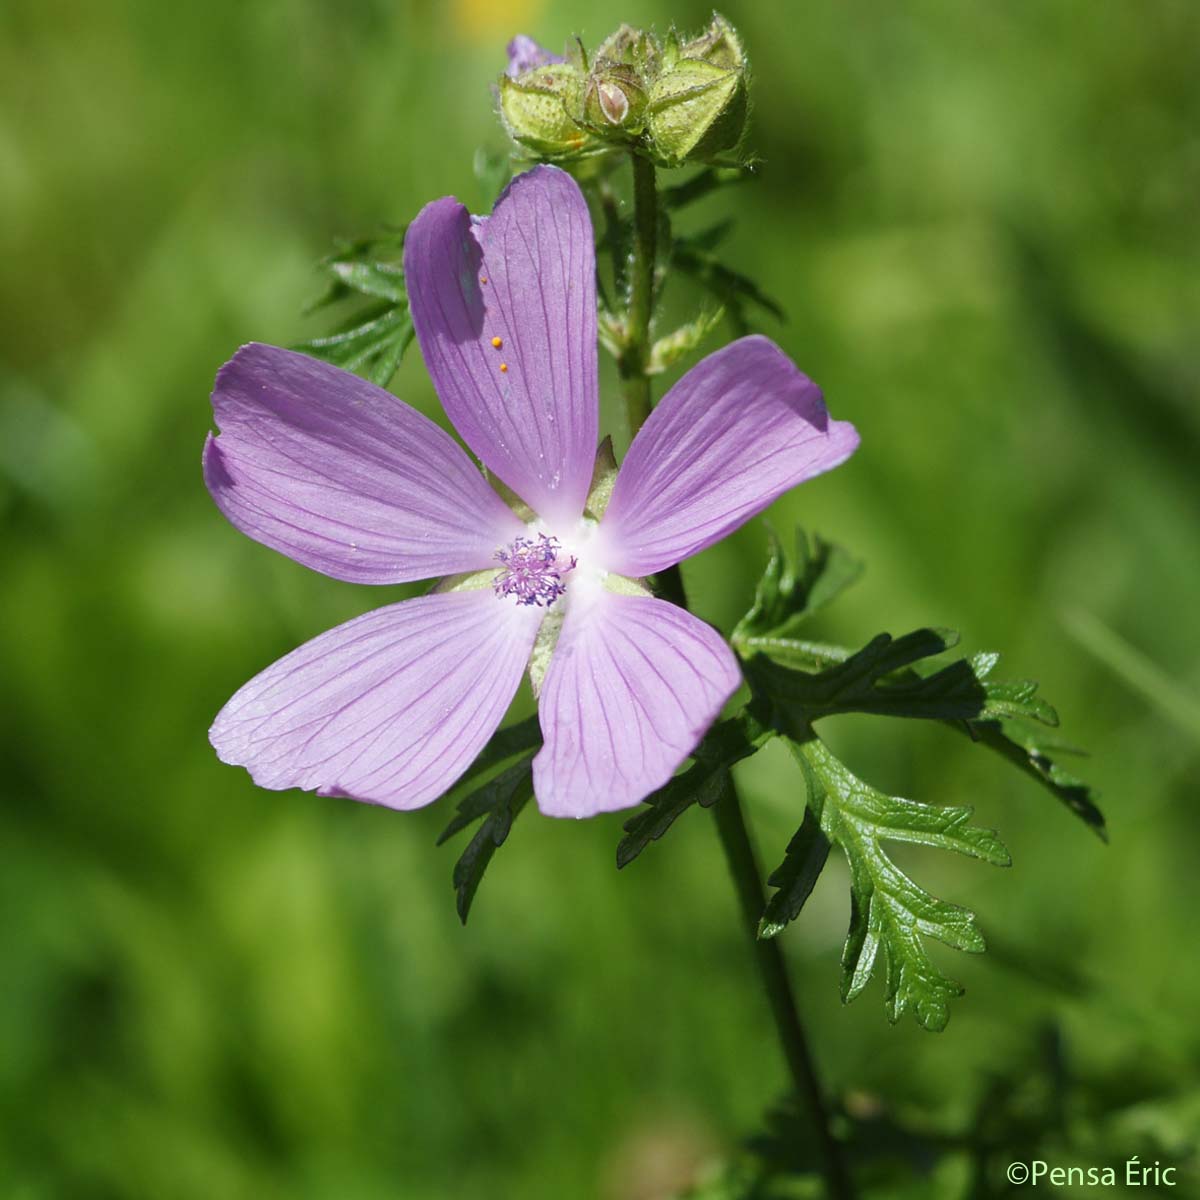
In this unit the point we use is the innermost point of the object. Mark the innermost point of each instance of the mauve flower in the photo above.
(524, 54)
(338, 474)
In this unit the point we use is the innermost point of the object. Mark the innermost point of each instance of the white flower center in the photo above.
(539, 567)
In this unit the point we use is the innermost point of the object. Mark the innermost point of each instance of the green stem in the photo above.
(739, 853)
(743, 866)
(635, 355)
(731, 825)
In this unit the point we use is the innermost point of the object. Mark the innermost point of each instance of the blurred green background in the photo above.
(982, 222)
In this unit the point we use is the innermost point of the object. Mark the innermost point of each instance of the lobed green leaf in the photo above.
(373, 346)
(884, 678)
(497, 803)
(702, 783)
(731, 289)
(805, 680)
(1030, 751)
(889, 913)
(793, 588)
(702, 184)
(374, 339)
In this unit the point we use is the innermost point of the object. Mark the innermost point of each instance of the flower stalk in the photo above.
(730, 820)
(635, 354)
(743, 866)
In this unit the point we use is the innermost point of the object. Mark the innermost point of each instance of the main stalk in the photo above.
(730, 820)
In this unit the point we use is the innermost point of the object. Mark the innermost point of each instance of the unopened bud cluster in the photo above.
(677, 100)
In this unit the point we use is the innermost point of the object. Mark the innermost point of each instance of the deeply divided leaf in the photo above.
(890, 915)
(794, 586)
(1026, 747)
(703, 783)
(731, 289)
(372, 344)
(797, 875)
(884, 678)
(805, 680)
(496, 804)
(702, 184)
(373, 339)
(494, 789)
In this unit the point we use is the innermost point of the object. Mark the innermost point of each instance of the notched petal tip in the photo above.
(505, 315)
(212, 461)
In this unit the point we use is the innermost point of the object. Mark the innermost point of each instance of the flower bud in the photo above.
(698, 104)
(719, 45)
(677, 101)
(633, 48)
(614, 101)
(536, 108)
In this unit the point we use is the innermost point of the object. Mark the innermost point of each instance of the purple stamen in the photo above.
(533, 571)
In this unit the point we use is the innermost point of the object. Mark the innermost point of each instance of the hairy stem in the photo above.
(731, 824)
(743, 866)
(631, 363)
(768, 957)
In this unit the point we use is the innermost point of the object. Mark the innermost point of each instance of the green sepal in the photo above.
(614, 102)
(519, 506)
(889, 913)
(540, 107)
(633, 48)
(604, 476)
(703, 783)
(466, 581)
(719, 45)
(697, 110)
(544, 644)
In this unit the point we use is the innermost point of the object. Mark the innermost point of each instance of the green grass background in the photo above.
(981, 220)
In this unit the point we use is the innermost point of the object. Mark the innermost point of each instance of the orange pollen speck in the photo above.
(504, 366)
(483, 279)
(497, 342)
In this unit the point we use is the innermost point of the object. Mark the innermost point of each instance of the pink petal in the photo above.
(343, 477)
(389, 708)
(524, 54)
(736, 432)
(632, 687)
(533, 424)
